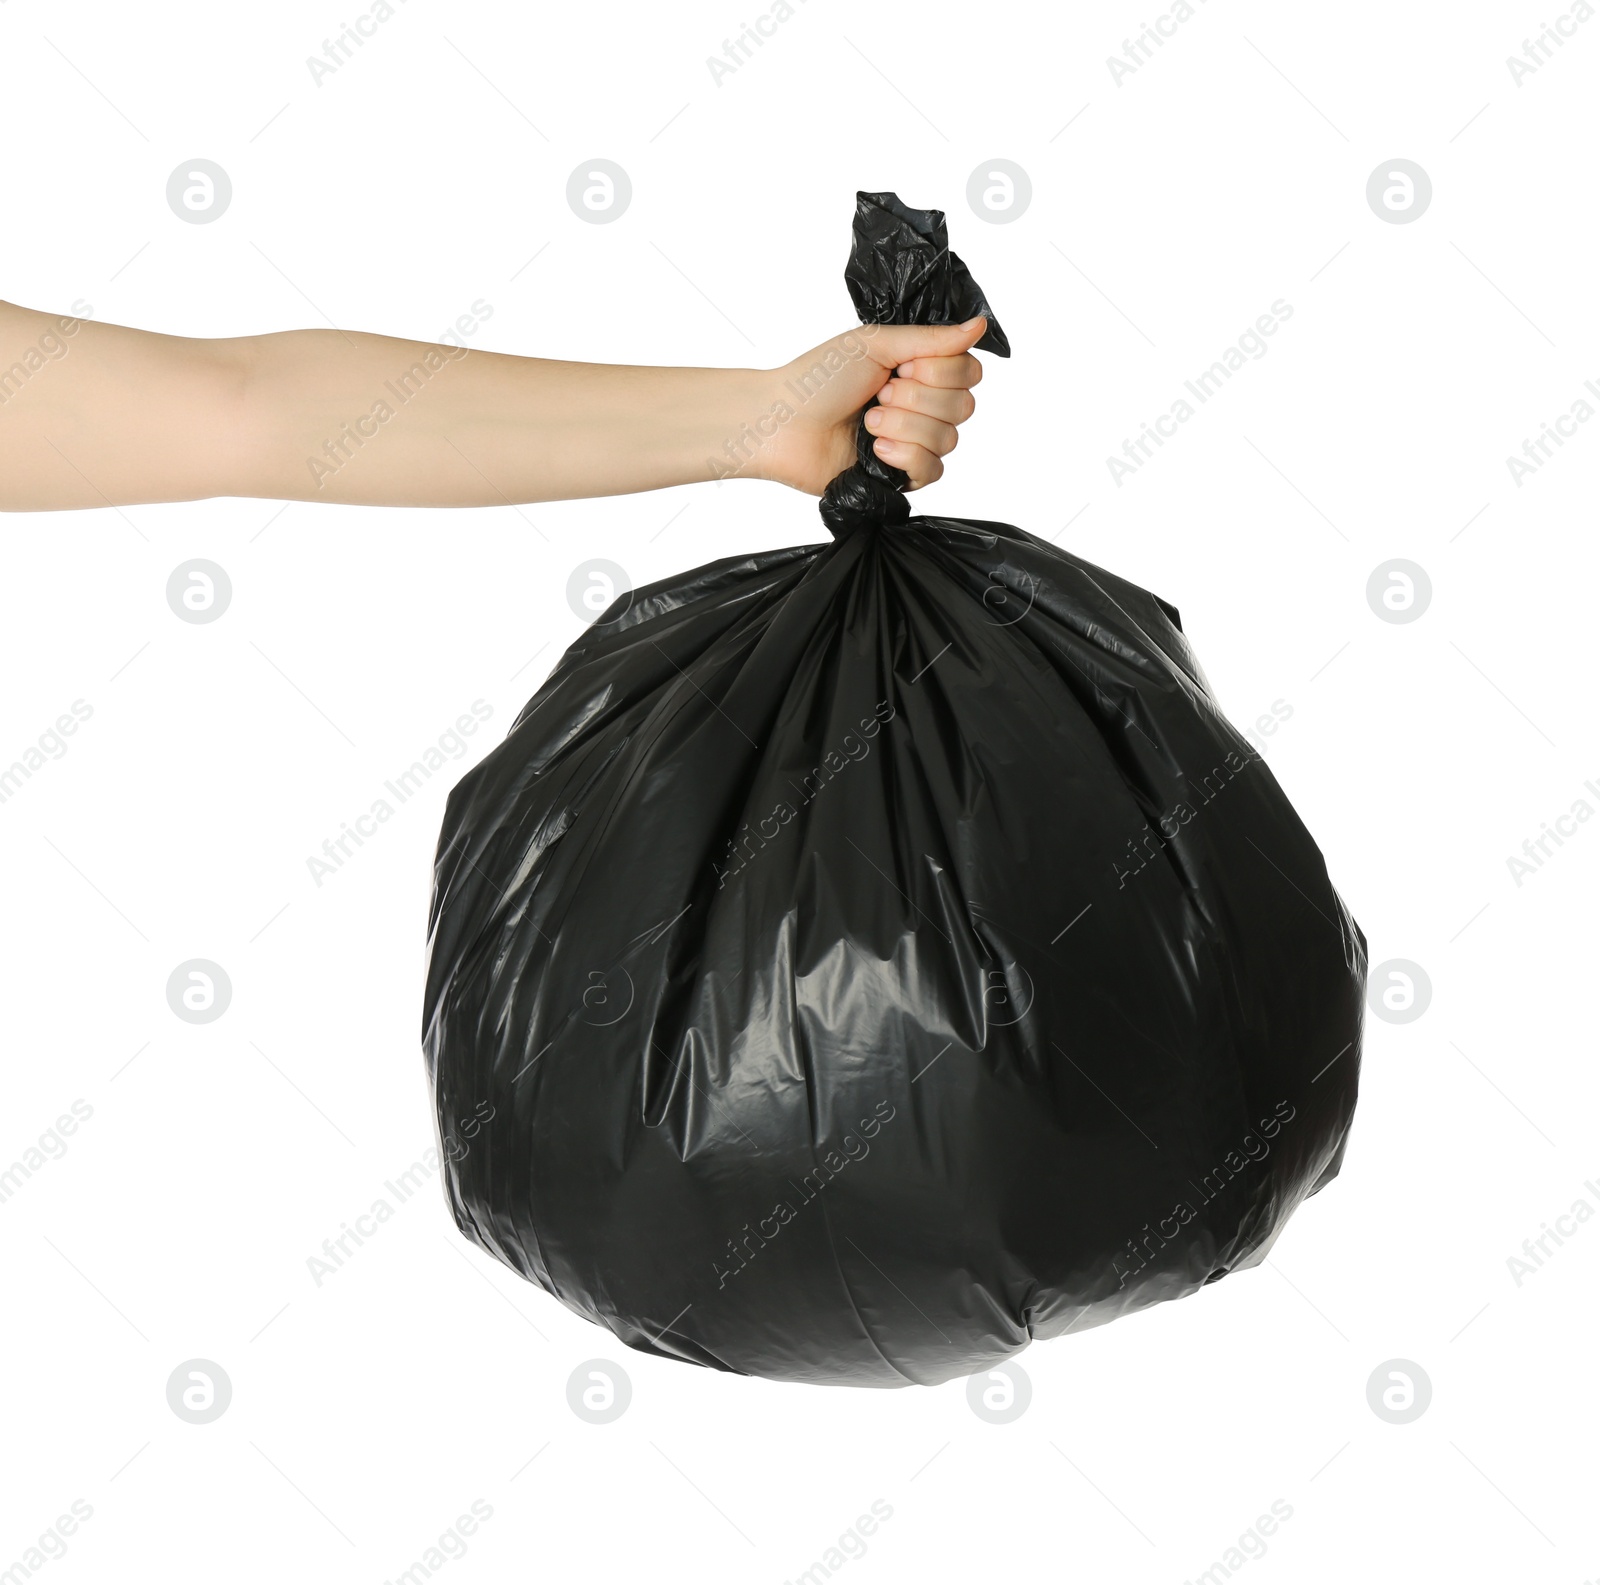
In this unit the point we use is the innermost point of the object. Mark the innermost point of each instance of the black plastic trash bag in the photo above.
(861, 959)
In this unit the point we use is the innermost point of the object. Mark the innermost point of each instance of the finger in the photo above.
(897, 423)
(916, 461)
(953, 406)
(895, 344)
(946, 374)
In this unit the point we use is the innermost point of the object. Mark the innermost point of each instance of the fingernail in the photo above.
(873, 417)
(904, 371)
(883, 395)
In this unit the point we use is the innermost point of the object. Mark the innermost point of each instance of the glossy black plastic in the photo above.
(861, 959)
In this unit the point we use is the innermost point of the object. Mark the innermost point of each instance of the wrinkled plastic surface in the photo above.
(860, 959)
(902, 272)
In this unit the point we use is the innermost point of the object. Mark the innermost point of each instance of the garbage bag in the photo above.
(861, 959)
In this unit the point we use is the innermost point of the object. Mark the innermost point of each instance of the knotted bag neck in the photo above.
(868, 493)
(901, 272)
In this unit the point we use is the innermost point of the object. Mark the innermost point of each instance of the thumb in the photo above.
(892, 345)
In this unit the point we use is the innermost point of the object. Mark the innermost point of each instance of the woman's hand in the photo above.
(922, 376)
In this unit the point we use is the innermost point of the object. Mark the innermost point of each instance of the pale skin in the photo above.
(95, 415)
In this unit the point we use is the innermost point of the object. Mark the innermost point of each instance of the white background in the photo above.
(1168, 212)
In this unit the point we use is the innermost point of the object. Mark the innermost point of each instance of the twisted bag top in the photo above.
(862, 958)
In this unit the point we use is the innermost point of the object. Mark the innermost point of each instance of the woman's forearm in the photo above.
(361, 418)
(103, 413)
